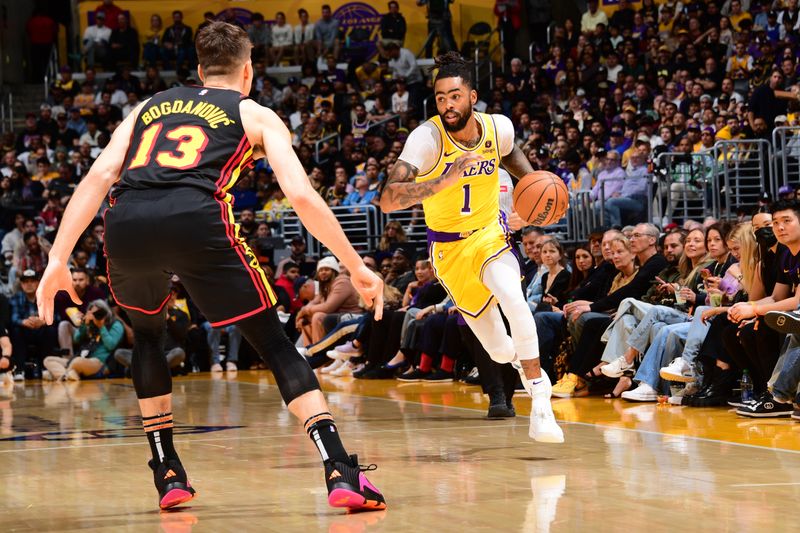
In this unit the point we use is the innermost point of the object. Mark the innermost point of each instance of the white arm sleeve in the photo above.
(422, 147)
(505, 134)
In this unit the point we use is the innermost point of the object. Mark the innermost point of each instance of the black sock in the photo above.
(322, 430)
(159, 434)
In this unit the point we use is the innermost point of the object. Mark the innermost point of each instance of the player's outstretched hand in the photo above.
(369, 287)
(57, 277)
(462, 163)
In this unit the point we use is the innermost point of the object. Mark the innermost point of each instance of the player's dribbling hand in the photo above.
(461, 164)
(515, 221)
(57, 277)
(370, 287)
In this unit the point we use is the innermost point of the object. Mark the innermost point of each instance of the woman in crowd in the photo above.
(624, 261)
(555, 281)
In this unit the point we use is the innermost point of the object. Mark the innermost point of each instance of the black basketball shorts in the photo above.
(154, 233)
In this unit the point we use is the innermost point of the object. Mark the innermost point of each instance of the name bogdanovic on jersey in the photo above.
(212, 114)
(475, 201)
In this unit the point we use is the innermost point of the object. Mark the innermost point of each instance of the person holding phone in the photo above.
(94, 340)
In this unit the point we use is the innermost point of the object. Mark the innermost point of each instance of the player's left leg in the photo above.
(347, 485)
(500, 276)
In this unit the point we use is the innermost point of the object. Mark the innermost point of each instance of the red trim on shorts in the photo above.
(238, 318)
(111, 288)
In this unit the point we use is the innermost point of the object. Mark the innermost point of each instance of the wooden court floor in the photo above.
(72, 457)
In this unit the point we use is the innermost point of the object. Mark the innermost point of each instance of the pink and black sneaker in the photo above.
(348, 487)
(172, 483)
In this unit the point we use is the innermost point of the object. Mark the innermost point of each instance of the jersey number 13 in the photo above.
(191, 141)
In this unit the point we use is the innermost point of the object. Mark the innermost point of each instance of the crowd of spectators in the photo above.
(593, 106)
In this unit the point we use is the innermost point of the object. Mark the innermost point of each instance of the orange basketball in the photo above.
(541, 198)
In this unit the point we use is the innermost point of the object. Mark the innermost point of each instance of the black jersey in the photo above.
(187, 136)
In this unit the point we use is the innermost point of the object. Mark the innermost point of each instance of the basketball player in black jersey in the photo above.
(173, 160)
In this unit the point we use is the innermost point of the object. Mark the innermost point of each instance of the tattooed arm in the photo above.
(516, 163)
(402, 191)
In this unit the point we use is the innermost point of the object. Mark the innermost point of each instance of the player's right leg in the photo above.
(153, 384)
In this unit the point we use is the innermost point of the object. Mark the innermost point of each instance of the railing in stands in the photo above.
(686, 186)
(486, 62)
(362, 224)
(385, 120)
(745, 167)
(319, 143)
(425, 105)
(786, 144)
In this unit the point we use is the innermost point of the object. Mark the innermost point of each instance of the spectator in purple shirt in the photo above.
(612, 173)
(630, 203)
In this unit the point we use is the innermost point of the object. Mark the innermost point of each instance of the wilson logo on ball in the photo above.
(544, 214)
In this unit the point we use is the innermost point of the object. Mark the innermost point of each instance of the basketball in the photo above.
(541, 198)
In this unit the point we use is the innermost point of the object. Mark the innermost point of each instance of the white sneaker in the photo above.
(19, 376)
(71, 375)
(47, 376)
(216, 367)
(348, 350)
(616, 368)
(7, 379)
(642, 393)
(677, 398)
(230, 366)
(333, 366)
(543, 426)
(335, 355)
(344, 370)
(677, 370)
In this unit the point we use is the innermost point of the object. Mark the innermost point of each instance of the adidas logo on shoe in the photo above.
(170, 473)
(334, 475)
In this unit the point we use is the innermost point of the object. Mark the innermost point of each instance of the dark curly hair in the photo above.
(452, 65)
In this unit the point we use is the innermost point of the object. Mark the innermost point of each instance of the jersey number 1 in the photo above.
(466, 209)
(191, 140)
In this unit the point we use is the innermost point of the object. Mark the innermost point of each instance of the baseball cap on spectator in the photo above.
(664, 48)
(617, 133)
(709, 129)
(643, 138)
(29, 274)
(61, 116)
(706, 97)
(683, 31)
(292, 80)
(600, 153)
(580, 92)
(671, 226)
(542, 152)
(297, 239)
(782, 119)
(402, 251)
(629, 107)
(328, 262)
(693, 127)
(786, 189)
(44, 106)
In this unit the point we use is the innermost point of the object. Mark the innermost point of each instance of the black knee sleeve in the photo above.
(294, 376)
(149, 369)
